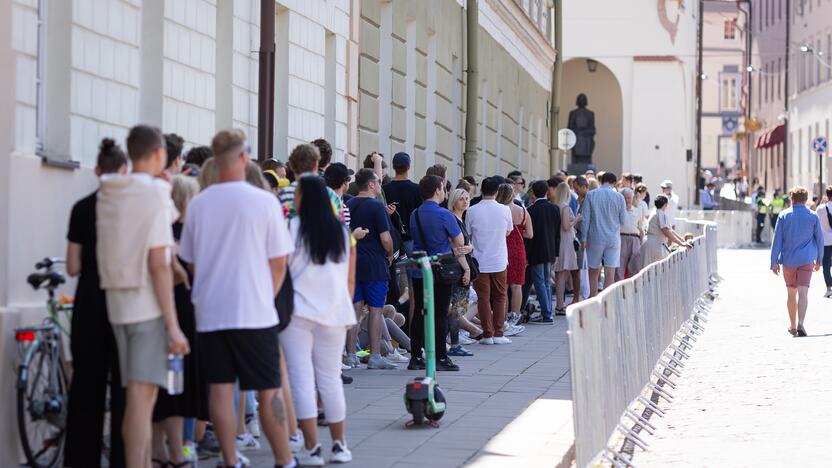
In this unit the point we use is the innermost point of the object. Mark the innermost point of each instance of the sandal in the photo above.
(560, 311)
(793, 331)
(801, 331)
(160, 463)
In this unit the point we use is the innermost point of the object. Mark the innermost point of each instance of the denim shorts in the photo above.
(373, 293)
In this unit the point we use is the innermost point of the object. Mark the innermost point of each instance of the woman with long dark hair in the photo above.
(324, 257)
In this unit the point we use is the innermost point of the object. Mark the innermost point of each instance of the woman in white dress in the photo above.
(567, 262)
(659, 230)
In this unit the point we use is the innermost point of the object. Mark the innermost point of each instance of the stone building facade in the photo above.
(366, 75)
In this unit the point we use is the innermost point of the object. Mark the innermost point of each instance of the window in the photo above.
(40, 80)
(766, 82)
(730, 29)
(728, 92)
(828, 53)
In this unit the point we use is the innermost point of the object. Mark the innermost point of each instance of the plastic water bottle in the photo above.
(176, 374)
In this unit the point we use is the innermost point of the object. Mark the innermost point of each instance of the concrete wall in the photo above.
(412, 61)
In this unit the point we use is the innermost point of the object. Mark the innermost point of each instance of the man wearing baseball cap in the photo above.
(403, 193)
(672, 200)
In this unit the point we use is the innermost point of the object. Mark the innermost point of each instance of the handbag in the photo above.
(284, 302)
(448, 271)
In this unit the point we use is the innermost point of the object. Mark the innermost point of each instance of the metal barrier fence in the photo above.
(617, 339)
(736, 227)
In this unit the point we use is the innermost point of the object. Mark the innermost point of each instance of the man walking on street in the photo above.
(490, 223)
(824, 214)
(798, 246)
(542, 249)
(604, 212)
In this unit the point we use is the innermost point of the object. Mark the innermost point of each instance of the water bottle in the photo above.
(176, 374)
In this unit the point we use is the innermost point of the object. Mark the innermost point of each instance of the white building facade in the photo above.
(636, 62)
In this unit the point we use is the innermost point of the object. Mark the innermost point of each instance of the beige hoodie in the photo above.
(134, 213)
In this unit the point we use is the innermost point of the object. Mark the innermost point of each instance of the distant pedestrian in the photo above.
(604, 212)
(706, 197)
(798, 246)
(672, 201)
(632, 233)
(659, 233)
(824, 213)
(761, 207)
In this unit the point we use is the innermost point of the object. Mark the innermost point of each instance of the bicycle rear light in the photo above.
(25, 336)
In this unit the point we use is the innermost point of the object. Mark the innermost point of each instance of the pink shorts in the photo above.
(798, 277)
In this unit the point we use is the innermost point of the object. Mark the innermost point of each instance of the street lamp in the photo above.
(703, 76)
(806, 48)
(749, 68)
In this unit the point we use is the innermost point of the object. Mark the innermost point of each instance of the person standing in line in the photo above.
(489, 223)
(659, 234)
(93, 346)
(375, 253)
(567, 262)
(824, 214)
(236, 242)
(516, 270)
(632, 232)
(672, 201)
(604, 212)
(314, 339)
(458, 202)
(404, 194)
(581, 290)
(707, 198)
(542, 249)
(798, 247)
(174, 144)
(325, 151)
(436, 232)
(134, 214)
(304, 161)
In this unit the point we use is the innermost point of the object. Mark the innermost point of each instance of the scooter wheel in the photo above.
(439, 397)
(417, 409)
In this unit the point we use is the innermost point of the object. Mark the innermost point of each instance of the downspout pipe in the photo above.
(557, 76)
(785, 143)
(471, 89)
(699, 72)
(265, 95)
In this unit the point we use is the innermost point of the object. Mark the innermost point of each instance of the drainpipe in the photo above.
(265, 95)
(557, 76)
(699, 71)
(785, 143)
(472, 89)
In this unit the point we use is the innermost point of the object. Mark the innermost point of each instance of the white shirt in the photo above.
(672, 207)
(231, 231)
(321, 291)
(489, 223)
(644, 210)
(824, 223)
(632, 225)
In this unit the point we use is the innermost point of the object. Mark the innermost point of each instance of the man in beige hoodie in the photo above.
(134, 216)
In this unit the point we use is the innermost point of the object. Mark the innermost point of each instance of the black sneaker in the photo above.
(446, 365)
(345, 379)
(541, 319)
(416, 363)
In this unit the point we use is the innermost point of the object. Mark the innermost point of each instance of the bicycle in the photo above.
(42, 383)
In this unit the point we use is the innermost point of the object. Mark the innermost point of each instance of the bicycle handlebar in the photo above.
(48, 262)
(412, 262)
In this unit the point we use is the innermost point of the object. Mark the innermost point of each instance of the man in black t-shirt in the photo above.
(403, 193)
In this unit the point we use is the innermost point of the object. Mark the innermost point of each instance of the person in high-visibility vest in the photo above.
(777, 205)
(761, 207)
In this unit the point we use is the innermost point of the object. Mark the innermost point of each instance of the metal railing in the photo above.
(736, 227)
(617, 340)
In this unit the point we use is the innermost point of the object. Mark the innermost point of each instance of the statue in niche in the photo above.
(582, 122)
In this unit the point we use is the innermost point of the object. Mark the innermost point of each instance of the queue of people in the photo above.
(221, 262)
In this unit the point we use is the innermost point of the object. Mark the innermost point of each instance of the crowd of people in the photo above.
(273, 280)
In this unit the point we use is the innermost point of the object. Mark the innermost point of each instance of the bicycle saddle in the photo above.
(50, 279)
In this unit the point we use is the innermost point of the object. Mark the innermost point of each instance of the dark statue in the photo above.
(582, 122)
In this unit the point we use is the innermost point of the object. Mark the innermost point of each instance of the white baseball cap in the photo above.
(666, 183)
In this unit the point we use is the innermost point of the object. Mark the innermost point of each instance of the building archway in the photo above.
(593, 78)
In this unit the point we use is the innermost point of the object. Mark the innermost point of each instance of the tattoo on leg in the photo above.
(279, 409)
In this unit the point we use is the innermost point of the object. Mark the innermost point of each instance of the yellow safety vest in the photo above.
(777, 205)
(762, 207)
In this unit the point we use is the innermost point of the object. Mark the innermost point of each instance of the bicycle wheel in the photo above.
(41, 407)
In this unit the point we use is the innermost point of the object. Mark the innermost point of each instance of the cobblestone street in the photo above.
(751, 395)
(509, 406)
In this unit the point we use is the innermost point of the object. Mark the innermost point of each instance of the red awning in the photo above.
(771, 137)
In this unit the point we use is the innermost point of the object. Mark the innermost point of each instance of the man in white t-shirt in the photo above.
(236, 241)
(672, 201)
(489, 223)
(134, 214)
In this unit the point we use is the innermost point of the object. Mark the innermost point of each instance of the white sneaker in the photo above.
(396, 357)
(513, 330)
(242, 461)
(464, 340)
(247, 442)
(296, 441)
(345, 367)
(501, 340)
(340, 453)
(253, 425)
(310, 457)
(487, 341)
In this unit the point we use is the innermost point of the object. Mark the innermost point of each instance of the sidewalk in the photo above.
(509, 406)
(751, 395)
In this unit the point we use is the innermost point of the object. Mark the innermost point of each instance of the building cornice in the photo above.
(655, 58)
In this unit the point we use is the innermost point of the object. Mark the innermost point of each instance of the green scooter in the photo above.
(422, 397)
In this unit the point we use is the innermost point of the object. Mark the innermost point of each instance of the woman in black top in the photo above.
(94, 354)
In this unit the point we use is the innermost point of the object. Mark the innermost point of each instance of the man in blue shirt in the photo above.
(374, 254)
(798, 246)
(707, 197)
(604, 211)
(434, 230)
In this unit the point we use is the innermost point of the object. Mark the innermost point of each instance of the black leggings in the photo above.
(441, 305)
(761, 224)
(827, 265)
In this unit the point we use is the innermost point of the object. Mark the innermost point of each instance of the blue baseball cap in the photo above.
(401, 159)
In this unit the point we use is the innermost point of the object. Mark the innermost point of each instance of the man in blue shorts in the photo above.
(604, 212)
(375, 252)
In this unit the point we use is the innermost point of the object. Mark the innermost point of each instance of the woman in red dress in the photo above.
(516, 271)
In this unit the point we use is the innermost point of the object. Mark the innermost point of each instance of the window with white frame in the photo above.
(729, 92)
(730, 32)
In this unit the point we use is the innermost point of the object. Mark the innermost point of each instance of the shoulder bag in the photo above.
(449, 271)
(473, 264)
